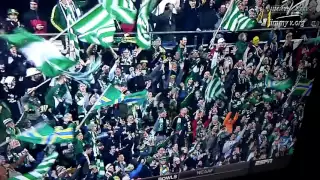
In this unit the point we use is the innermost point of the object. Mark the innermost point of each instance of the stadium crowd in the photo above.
(206, 106)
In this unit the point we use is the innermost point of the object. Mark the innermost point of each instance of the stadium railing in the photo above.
(198, 35)
(200, 32)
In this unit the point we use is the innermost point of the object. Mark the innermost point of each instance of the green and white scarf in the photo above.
(71, 14)
(100, 167)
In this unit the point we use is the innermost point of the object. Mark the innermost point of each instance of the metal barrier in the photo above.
(198, 36)
(199, 32)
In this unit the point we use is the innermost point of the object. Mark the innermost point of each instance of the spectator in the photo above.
(264, 17)
(59, 14)
(33, 20)
(166, 22)
(207, 18)
(12, 20)
(313, 11)
(220, 14)
(190, 16)
(161, 7)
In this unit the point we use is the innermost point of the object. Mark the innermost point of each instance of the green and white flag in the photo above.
(96, 27)
(214, 89)
(236, 21)
(143, 36)
(42, 53)
(122, 10)
(41, 170)
(100, 167)
(73, 40)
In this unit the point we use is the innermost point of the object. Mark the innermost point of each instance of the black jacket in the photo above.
(191, 19)
(17, 67)
(165, 22)
(29, 16)
(11, 25)
(207, 18)
(136, 84)
(84, 166)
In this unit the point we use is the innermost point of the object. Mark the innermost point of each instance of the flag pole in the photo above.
(292, 90)
(82, 17)
(219, 27)
(35, 88)
(91, 109)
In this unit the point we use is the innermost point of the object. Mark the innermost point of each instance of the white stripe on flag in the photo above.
(91, 24)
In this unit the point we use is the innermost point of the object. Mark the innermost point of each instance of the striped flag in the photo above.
(42, 133)
(143, 35)
(96, 27)
(270, 82)
(236, 21)
(73, 39)
(136, 98)
(41, 170)
(100, 167)
(214, 89)
(122, 10)
(303, 87)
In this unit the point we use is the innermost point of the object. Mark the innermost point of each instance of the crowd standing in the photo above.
(177, 129)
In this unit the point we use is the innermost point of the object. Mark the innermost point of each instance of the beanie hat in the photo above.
(255, 40)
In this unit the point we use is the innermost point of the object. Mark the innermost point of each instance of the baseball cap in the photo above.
(13, 11)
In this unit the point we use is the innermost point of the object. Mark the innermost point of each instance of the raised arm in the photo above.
(112, 70)
(227, 118)
(235, 118)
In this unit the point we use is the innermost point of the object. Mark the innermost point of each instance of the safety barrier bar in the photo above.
(199, 32)
(198, 37)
